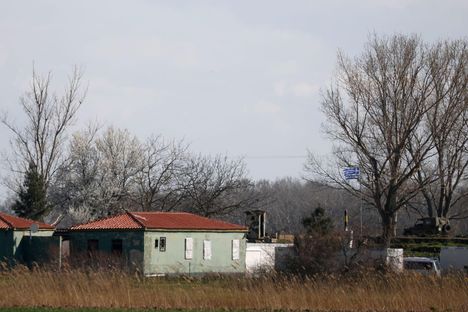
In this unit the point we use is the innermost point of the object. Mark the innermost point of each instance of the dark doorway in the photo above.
(117, 247)
(93, 246)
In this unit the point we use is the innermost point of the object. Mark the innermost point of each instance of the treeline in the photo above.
(112, 171)
(289, 200)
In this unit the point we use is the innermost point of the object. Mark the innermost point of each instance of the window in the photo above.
(93, 246)
(162, 244)
(418, 265)
(188, 248)
(117, 247)
(235, 249)
(156, 243)
(207, 250)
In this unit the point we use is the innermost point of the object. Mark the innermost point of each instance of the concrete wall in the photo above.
(173, 260)
(267, 256)
(132, 247)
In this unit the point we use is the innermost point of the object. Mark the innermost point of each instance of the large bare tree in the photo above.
(40, 141)
(374, 112)
(447, 122)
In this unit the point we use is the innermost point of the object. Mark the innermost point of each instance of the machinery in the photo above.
(429, 226)
(255, 220)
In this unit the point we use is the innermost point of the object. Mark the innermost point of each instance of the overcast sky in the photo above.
(241, 78)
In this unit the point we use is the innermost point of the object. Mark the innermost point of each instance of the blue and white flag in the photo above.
(351, 173)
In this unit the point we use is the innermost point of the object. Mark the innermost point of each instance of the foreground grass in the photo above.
(78, 289)
(43, 309)
(65, 309)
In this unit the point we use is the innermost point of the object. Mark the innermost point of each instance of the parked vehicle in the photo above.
(429, 226)
(426, 266)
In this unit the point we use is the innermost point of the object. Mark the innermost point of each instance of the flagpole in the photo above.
(360, 201)
(354, 173)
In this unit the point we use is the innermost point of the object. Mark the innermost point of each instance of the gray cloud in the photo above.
(236, 77)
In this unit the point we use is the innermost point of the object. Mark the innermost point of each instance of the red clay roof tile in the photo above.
(160, 221)
(11, 222)
(121, 222)
(182, 221)
(4, 225)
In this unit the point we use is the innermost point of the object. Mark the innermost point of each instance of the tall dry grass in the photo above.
(371, 291)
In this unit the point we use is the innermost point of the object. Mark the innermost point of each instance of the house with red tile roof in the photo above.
(158, 243)
(23, 240)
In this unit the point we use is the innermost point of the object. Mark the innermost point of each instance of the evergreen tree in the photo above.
(32, 201)
(318, 222)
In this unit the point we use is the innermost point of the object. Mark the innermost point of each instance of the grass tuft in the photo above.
(112, 289)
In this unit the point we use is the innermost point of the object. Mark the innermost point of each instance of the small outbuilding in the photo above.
(268, 256)
(25, 241)
(158, 243)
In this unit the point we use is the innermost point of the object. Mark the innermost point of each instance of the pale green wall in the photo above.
(173, 259)
(139, 251)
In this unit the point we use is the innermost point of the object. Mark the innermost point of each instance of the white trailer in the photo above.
(454, 259)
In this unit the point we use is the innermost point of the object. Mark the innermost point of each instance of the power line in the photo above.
(276, 157)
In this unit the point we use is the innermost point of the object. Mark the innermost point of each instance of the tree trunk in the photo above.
(389, 217)
(388, 229)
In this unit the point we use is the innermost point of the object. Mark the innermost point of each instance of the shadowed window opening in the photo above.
(162, 245)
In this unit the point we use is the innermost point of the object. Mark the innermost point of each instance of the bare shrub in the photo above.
(315, 254)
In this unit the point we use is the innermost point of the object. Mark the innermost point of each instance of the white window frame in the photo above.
(235, 249)
(188, 248)
(207, 253)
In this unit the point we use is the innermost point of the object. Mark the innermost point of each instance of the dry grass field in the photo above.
(370, 291)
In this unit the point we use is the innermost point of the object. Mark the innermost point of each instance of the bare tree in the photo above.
(216, 186)
(447, 122)
(374, 112)
(121, 160)
(41, 140)
(7, 203)
(100, 175)
(76, 189)
(157, 185)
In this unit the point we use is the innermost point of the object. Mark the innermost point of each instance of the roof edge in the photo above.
(8, 223)
(157, 230)
(134, 218)
(198, 230)
(103, 230)
(12, 224)
(129, 214)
